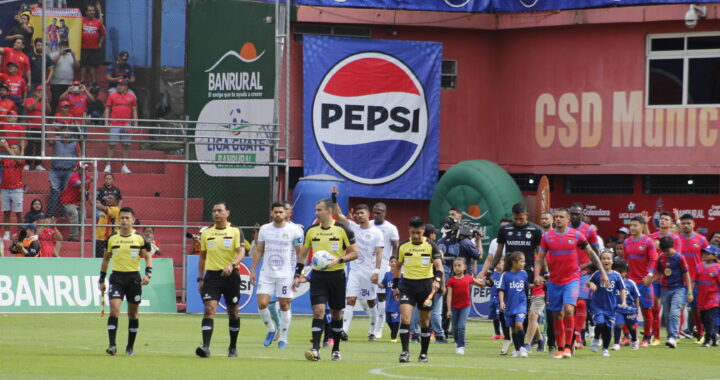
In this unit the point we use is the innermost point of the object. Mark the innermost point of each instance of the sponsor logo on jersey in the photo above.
(373, 103)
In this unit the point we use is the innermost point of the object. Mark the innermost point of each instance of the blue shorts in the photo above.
(494, 312)
(392, 317)
(656, 289)
(625, 319)
(120, 135)
(559, 295)
(511, 320)
(584, 290)
(646, 295)
(604, 317)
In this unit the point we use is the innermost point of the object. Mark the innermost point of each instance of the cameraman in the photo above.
(456, 242)
(27, 244)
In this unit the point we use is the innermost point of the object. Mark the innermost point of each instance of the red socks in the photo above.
(559, 330)
(580, 315)
(656, 322)
(569, 330)
(647, 321)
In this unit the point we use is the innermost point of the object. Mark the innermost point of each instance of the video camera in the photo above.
(461, 229)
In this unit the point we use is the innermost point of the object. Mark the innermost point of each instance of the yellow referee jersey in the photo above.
(220, 246)
(125, 251)
(334, 239)
(417, 259)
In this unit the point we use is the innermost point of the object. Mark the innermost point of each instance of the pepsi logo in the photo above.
(370, 118)
(480, 300)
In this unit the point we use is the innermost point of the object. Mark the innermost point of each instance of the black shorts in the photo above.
(216, 285)
(415, 292)
(91, 58)
(328, 287)
(125, 285)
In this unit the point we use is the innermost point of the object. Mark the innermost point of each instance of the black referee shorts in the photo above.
(415, 292)
(216, 285)
(125, 285)
(328, 287)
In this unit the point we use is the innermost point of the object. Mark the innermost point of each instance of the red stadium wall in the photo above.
(566, 98)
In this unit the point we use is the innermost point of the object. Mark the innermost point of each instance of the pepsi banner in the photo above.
(419, 5)
(372, 114)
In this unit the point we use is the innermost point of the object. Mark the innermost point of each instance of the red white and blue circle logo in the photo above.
(370, 118)
(480, 300)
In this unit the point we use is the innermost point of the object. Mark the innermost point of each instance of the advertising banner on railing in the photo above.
(548, 5)
(418, 5)
(61, 25)
(68, 285)
(372, 114)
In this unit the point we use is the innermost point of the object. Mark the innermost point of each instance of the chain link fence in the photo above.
(169, 188)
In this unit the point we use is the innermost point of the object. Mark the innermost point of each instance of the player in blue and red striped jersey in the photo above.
(665, 225)
(708, 283)
(576, 222)
(676, 286)
(560, 246)
(691, 245)
(641, 255)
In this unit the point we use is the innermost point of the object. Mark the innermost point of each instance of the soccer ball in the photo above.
(321, 259)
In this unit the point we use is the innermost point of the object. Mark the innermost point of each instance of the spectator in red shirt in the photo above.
(12, 187)
(79, 97)
(33, 109)
(120, 105)
(62, 117)
(6, 105)
(50, 238)
(93, 36)
(11, 131)
(71, 198)
(16, 55)
(16, 84)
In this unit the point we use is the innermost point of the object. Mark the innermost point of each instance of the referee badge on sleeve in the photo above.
(211, 244)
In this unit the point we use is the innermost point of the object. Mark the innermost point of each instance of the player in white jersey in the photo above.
(278, 244)
(391, 244)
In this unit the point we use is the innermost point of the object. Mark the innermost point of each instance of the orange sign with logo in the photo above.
(542, 200)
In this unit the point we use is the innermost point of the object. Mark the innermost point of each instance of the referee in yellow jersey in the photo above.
(420, 261)
(125, 248)
(327, 286)
(221, 251)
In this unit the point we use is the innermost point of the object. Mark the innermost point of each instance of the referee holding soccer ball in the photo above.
(221, 251)
(327, 286)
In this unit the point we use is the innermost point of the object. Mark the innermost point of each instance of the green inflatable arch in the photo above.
(484, 191)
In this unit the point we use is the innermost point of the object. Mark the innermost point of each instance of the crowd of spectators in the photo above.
(70, 97)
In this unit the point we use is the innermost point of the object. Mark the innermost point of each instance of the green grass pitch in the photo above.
(72, 346)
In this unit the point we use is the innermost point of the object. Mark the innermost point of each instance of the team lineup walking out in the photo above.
(554, 264)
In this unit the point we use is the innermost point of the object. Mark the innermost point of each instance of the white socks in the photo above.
(347, 317)
(285, 318)
(267, 319)
(380, 316)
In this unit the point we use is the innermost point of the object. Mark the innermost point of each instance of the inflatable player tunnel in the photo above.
(484, 191)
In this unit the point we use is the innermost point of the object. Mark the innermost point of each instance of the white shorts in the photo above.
(275, 287)
(359, 286)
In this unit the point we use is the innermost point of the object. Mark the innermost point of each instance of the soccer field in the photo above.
(72, 346)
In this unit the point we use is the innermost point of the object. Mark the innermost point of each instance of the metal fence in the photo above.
(168, 187)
